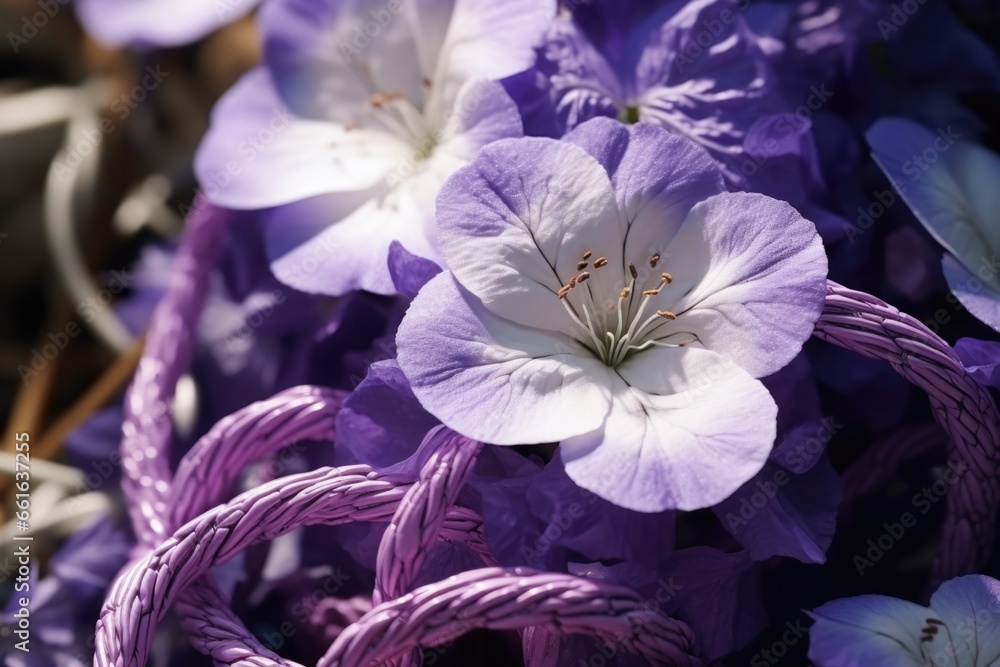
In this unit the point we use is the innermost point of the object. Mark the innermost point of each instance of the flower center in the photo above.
(630, 114)
(629, 323)
(399, 116)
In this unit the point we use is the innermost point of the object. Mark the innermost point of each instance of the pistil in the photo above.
(616, 345)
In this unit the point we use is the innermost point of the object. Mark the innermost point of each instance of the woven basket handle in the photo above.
(160, 505)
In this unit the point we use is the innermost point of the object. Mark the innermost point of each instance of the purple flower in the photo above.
(694, 68)
(361, 111)
(719, 595)
(157, 22)
(623, 305)
(958, 628)
(950, 185)
(981, 359)
(790, 507)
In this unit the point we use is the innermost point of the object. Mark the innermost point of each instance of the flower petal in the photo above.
(483, 113)
(761, 280)
(981, 359)
(970, 606)
(157, 22)
(785, 512)
(668, 443)
(980, 297)
(868, 631)
(949, 184)
(329, 57)
(363, 428)
(340, 242)
(493, 380)
(503, 226)
(710, 93)
(256, 154)
(409, 272)
(486, 39)
(720, 595)
(657, 176)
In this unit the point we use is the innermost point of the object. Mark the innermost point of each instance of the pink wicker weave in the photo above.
(183, 530)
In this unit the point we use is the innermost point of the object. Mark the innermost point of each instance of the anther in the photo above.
(580, 266)
(935, 621)
(632, 270)
(666, 314)
(563, 291)
(625, 292)
(651, 292)
(572, 282)
(667, 278)
(379, 99)
(582, 277)
(653, 260)
(587, 254)
(600, 262)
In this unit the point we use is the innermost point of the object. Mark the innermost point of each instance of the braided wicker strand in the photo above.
(258, 430)
(206, 472)
(141, 595)
(504, 599)
(871, 327)
(146, 427)
(215, 630)
(203, 477)
(420, 517)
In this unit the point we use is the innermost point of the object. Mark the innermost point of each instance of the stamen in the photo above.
(587, 254)
(666, 314)
(582, 277)
(632, 270)
(653, 260)
(572, 282)
(589, 329)
(625, 292)
(563, 291)
(667, 278)
(600, 262)
(935, 621)
(580, 266)
(378, 99)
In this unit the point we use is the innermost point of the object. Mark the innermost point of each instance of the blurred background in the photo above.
(95, 165)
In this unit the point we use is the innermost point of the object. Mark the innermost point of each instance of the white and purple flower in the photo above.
(957, 629)
(606, 292)
(387, 99)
